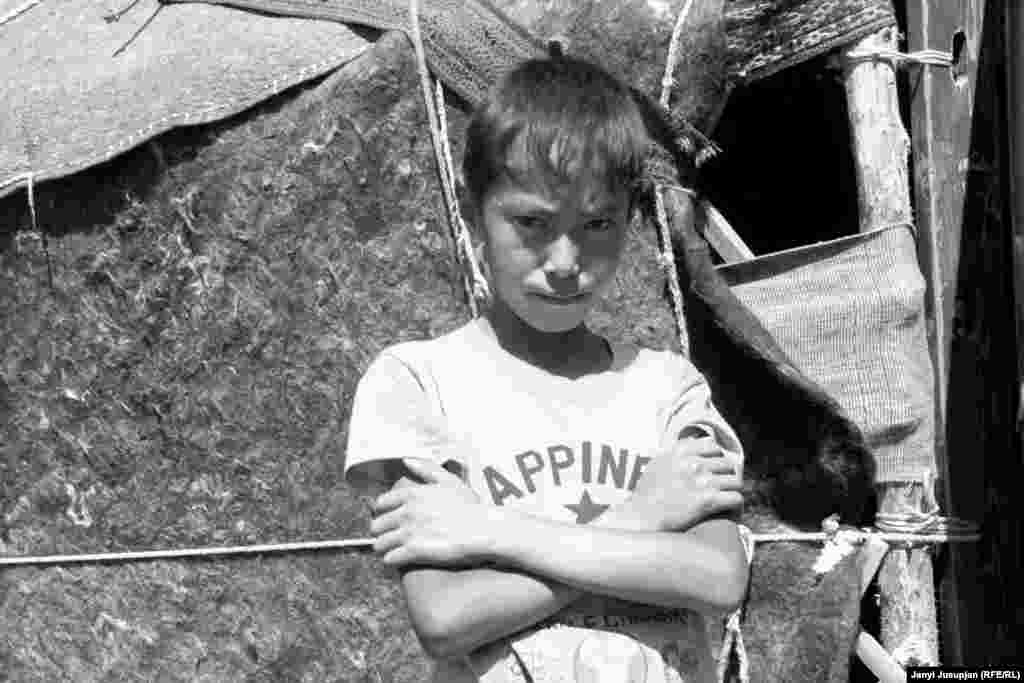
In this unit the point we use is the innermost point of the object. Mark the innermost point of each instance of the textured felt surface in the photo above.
(186, 381)
(186, 378)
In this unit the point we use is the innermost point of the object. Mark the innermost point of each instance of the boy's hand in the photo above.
(688, 483)
(438, 522)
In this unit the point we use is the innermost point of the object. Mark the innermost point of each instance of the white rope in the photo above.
(749, 542)
(667, 257)
(921, 57)
(860, 536)
(668, 264)
(458, 232)
(32, 200)
(18, 11)
(186, 553)
(667, 81)
(480, 288)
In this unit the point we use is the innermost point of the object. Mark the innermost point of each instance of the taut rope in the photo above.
(472, 279)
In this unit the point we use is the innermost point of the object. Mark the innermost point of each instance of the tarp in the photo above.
(68, 103)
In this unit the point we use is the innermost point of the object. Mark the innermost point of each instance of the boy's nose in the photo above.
(563, 258)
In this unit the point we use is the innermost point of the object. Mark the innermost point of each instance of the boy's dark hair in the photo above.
(559, 115)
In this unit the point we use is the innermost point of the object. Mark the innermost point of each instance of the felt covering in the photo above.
(70, 103)
(186, 381)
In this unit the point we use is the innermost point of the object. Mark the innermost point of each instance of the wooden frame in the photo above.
(1014, 42)
(941, 102)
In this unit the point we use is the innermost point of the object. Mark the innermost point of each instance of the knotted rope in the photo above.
(473, 280)
(659, 170)
(838, 544)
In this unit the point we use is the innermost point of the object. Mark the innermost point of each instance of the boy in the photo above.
(591, 527)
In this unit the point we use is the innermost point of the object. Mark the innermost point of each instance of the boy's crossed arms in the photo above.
(473, 573)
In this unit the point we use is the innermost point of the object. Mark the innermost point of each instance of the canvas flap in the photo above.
(851, 314)
(69, 103)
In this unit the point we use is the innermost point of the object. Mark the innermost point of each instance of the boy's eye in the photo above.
(599, 225)
(529, 222)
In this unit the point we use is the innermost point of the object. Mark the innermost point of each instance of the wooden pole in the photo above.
(941, 102)
(881, 147)
(881, 150)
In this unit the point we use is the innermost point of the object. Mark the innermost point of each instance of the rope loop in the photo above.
(918, 58)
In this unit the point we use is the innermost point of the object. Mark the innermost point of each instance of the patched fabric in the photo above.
(766, 36)
(564, 449)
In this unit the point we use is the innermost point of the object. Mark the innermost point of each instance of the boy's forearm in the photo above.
(483, 604)
(661, 568)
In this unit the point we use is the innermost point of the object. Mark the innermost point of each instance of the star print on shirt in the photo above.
(586, 510)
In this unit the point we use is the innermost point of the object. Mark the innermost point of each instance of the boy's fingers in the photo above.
(387, 542)
(728, 482)
(705, 447)
(396, 557)
(428, 471)
(390, 500)
(384, 523)
(693, 431)
(728, 500)
(720, 465)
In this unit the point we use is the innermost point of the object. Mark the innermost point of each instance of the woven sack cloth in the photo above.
(850, 313)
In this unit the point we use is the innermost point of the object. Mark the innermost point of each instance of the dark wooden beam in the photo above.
(1014, 42)
(941, 105)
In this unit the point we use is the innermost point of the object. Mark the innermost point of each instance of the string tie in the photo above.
(918, 58)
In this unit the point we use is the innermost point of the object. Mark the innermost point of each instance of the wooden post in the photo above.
(881, 153)
(942, 102)
(881, 147)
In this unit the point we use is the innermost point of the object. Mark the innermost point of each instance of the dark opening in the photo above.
(786, 176)
(960, 60)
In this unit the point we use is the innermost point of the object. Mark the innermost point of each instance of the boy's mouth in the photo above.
(563, 299)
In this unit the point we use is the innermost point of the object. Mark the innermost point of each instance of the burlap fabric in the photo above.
(69, 103)
(850, 313)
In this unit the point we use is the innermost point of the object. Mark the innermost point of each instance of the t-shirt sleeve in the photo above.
(393, 417)
(692, 413)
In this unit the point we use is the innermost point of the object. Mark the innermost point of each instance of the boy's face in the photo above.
(552, 251)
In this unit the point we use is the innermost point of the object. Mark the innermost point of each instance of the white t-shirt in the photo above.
(563, 448)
